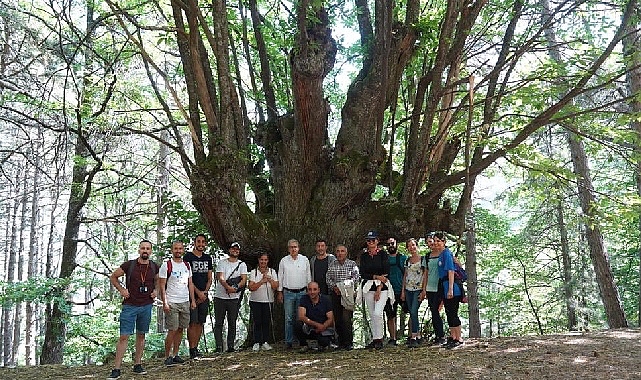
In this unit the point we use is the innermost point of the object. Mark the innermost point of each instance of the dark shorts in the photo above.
(199, 314)
(391, 311)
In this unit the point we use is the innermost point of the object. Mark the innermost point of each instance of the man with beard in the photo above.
(396, 272)
(319, 263)
(176, 289)
(231, 274)
(138, 297)
(202, 269)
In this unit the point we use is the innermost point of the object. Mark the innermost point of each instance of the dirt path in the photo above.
(614, 354)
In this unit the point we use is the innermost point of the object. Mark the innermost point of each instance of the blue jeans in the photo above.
(137, 317)
(411, 297)
(291, 301)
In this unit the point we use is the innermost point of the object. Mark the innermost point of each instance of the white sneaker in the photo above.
(266, 346)
(256, 347)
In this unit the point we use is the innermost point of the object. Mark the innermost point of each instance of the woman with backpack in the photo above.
(451, 290)
(413, 290)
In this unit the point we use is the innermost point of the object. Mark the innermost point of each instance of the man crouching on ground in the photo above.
(315, 318)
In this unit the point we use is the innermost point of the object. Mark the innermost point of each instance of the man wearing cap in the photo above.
(231, 276)
(293, 274)
(374, 269)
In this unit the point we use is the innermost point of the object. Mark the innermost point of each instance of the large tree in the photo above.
(413, 67)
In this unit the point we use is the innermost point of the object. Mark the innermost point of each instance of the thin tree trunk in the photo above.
(632, 51)
(17, 315)
(607, 287)
(32, 269)
(7, 330)
(605, 278)
(568, 285)
(472, 278)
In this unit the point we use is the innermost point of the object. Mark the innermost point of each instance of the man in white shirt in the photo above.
(293, 276)
(176, 289)
(231, 277)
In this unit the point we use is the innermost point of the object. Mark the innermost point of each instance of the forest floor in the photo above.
(612, 354)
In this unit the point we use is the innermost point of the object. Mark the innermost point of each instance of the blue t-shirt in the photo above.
(318, 312)
(446, 264)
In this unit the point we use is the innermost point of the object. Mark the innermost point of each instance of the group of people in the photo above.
(318, 295)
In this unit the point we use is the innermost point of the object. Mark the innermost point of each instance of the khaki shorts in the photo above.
(177, 316)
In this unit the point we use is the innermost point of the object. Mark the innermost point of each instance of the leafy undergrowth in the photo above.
(612, 354)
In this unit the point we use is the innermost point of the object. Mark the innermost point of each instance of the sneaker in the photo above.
(303, 349)
(138, 370)
(454, 345)
(266, 347)
(169, 362)
(437, 341)
(392, 342)
(378, 345)
(412, 343)
(178, 360)
(447, 342)
(115, 374)
(256, 347)
(348, 347)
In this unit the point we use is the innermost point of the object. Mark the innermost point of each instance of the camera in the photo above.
(143, 289)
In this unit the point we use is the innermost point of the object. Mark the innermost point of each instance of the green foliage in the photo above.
(40, 290)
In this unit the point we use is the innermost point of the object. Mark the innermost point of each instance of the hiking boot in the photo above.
(169, 362)
(230, 350)
(194, 353)
(138, 370)
(303, 349)
(392, 342)
(256, 347)
(115, 374)
(289, 346)
(266, 347)
(412, 343)
(178, 360)
(378, 344)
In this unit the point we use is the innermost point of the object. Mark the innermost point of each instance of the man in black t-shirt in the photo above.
(202, 269)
